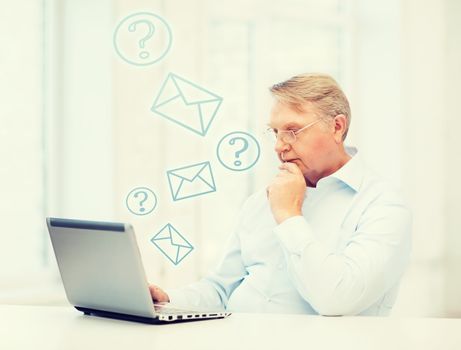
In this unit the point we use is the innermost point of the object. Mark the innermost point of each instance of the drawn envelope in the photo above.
(172, 244)
(186, 104)
(191, 181)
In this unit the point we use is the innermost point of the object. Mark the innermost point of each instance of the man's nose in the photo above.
(281, 146)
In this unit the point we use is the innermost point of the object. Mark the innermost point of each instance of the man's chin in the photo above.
(303, 169)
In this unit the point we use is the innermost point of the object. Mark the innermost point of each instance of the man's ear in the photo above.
(340, 125)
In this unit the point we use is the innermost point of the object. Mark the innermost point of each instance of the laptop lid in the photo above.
(101, 266)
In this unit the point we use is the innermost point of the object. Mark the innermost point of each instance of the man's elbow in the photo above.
(338, 302)
(335, 309)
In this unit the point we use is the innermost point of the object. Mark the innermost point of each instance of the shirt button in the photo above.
(268, 299)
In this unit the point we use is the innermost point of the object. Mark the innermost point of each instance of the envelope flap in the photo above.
(168, 92)
(189, 173)
(177, 239)
(192, 93)
(163, 234)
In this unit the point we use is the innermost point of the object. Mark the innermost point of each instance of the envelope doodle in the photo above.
(191, 181)
(172, 244)
(186, 104)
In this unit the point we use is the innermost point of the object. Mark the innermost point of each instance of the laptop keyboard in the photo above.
(162, 309)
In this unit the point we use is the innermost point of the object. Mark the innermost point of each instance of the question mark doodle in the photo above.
(141, 209)
(231, 155)
(232, 141)
(142, 41)
(141, 201)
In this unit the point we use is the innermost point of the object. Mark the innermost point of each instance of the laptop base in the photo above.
(133, 318)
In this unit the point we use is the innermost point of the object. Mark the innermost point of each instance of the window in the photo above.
(24, 251)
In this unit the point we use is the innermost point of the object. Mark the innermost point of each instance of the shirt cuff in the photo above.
(295, 234)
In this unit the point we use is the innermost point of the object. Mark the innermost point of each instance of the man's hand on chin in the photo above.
(286, 192)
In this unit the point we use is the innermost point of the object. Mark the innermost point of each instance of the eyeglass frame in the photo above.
(292, 132)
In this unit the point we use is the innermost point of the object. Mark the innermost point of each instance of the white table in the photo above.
(50, 328)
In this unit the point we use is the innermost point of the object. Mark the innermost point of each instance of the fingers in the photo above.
(158, 294)
(288, 170)
(153, 290)
(290, 167)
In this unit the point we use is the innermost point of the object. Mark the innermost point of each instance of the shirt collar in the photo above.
(350, 173)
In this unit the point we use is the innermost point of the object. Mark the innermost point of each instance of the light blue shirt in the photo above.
(344, 256)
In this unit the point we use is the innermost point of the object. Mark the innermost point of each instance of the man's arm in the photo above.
(348, 282)
(213, 291)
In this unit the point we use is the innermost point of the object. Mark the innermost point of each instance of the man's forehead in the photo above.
(284, 116)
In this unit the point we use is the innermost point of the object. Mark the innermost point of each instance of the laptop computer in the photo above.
(103, 275)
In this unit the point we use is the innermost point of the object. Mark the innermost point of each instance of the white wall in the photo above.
(452, 200)
(423, 151)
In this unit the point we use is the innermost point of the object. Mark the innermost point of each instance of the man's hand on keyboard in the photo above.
(158, 295)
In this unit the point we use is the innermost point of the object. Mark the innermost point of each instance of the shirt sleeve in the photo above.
(349, 281)
(213, 291)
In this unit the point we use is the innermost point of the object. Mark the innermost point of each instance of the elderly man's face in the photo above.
(315, 149)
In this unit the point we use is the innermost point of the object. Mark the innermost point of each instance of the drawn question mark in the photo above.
(142, 201)
(232, 142)
(142, 41)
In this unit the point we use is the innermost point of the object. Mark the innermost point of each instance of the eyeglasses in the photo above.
(288, 136)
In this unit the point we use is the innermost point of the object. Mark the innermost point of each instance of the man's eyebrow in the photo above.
(292, 125)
